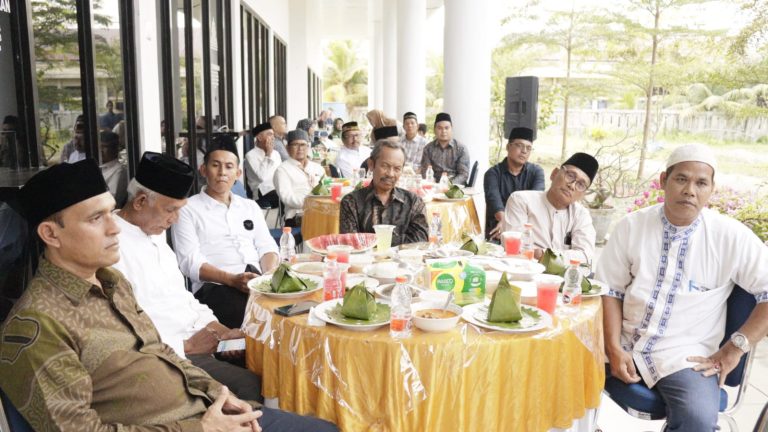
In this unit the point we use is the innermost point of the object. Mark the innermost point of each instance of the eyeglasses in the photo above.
(572, 177)
(297, 144)
(527, 148)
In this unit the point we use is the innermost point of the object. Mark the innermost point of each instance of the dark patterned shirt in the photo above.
(361, 210)
(80, 357)
(454, 159)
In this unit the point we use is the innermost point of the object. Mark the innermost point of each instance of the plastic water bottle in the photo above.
(572, 286)
(400, 309)
(332, 288)
(430, 174)
(435, 231)
(527, 248)
(287, 246)
(444, 182)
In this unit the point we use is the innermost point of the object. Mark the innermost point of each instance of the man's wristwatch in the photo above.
(740, 341)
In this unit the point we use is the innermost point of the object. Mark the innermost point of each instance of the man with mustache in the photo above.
(221, 240)
(384, 203)
(670, 268)
(559, 221)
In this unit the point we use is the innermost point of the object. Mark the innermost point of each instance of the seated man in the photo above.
(221, 240)
(671, 268)
(512, 174)
(412, 142)
(114, 172)
(559, 221)
(445, 154)
(352, 154)
(78, 353)
(384, 203)
(157, 194)
(260, 165)
(295, 178)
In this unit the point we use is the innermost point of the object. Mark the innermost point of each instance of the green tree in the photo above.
(345, 77)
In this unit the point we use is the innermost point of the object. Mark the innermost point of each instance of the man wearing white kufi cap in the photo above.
(671, 268)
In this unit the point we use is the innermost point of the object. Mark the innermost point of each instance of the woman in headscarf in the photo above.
(336, 132)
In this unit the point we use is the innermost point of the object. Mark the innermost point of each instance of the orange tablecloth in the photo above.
(468, 379)
(321, 216)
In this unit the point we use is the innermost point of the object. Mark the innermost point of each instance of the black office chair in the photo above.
(472, 175)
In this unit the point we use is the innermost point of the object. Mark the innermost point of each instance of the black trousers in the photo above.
(227, 303)
(270, 200)
(243, 383)
(274, 420)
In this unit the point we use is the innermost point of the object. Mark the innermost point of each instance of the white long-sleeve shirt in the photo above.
(150, 266)
(674, 283)
(116, 176)
(227, 238)
(260, 170)
(349, 160)
(550, 225)
(294, 182)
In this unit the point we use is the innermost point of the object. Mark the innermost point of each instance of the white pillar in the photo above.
(411, 57)
(467, 80)
(390, 59)
(148, 80)
(297, 63)
(238, 87)
(376, 68)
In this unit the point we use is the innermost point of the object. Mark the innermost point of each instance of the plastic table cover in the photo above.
(468, 379)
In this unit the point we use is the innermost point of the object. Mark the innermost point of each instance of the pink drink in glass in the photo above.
(547, 287)
(512, 244)
(336, 191)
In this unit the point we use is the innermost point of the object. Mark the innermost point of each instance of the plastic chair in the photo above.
(12, 420)
(644, 403)
(472, 175)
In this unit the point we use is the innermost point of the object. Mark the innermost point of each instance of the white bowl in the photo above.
(357, 262)
(434, 296)
(313, 268)
(435, 325)
(386, 272)
(411, 256)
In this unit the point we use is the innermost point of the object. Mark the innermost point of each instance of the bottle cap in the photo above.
(401, 279)
(286, 230)
(575, 262)
(332, 256)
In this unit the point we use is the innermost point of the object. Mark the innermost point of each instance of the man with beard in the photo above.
(512, 174)
(559, 221)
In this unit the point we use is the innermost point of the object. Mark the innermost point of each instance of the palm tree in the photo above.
(346, 76)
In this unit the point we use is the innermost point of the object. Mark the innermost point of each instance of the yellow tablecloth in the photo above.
(321, 216)
(468, 379)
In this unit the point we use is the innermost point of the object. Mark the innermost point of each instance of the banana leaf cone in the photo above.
(454, 192)
(286, 281)
(505, 304)
(359, 303)
(554, 265)
(359, 185)
(469, 244)
(321, 188)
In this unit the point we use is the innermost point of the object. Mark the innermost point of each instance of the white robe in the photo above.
(674, 283)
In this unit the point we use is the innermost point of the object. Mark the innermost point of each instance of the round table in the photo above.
(321, 216)
(469, 379)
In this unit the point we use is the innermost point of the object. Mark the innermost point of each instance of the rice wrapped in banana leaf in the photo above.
(469, 244)
(358, 303)
(505, 304)
(454, 192)
(286, 280)
(554, 264)
(321, 188)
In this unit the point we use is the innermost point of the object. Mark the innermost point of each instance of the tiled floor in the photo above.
(612, 418)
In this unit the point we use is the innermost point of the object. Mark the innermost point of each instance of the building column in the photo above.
(411, 57)
(467, 80)
(376, 67)
(389, 77)
(145, 17)
(297, 64)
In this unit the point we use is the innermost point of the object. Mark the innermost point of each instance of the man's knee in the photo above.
(283, 421)
(692, 401)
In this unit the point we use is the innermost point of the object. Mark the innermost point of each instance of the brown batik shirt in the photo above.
(80, 357)
(362, 209)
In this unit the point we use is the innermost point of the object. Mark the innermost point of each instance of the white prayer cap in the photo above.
(693, 153)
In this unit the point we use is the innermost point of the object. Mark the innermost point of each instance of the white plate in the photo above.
(475, 314)
(321, 311)
(385, 290)
(355, 278)
(312, 268)
(516, 268)
(603, 289)
(448, 252)
(442, 197)
(253, 283)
